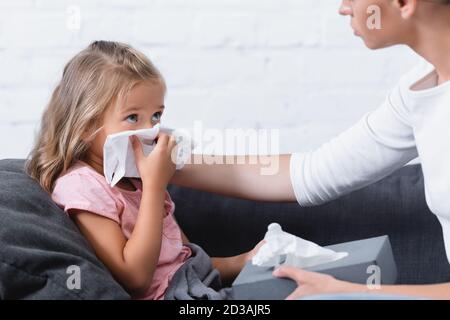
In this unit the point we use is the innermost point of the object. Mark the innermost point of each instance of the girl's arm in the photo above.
(262, 178)
(229, 267)
(132, 261)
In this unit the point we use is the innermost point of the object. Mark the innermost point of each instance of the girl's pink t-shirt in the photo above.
(81, 187)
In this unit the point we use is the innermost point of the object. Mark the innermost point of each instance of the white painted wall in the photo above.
(288, 64)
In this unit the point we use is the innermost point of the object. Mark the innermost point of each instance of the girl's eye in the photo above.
(157, 116)
(132, 116)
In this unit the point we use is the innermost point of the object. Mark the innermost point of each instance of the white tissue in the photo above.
(296, 251)
(118, 154)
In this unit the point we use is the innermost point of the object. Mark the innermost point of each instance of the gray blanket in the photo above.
(197, 280)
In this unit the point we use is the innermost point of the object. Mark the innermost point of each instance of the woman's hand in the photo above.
(312, 283)
(157, 168)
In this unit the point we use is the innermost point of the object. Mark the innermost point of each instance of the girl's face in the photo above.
(378, 22)
(142, 109)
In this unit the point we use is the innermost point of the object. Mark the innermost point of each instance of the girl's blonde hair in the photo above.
(99, 76)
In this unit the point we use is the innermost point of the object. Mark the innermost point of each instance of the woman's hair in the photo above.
(99, 76)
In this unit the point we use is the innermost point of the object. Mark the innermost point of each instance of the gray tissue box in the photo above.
(258, 283)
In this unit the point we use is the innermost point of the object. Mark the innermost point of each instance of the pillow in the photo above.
(42, 253)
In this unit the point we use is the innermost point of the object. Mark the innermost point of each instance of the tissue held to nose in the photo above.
(296, 251)
(118, 154)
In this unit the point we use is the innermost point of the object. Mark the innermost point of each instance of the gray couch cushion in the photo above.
(38, 243)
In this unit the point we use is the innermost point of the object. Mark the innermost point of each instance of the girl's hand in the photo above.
(249, 255)
(157, 168)
(312, 283)
(230, 267)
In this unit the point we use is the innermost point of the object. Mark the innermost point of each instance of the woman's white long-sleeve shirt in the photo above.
(413, 121)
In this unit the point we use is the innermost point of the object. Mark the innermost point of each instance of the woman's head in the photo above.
(97, 84)
(383, 23)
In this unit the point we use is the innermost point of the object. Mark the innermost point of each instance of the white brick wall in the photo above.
(288, 64)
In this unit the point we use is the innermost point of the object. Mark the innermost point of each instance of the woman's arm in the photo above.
(380, 143)
(132, 261)
(312, 283)
(265, 178)
(432, 291)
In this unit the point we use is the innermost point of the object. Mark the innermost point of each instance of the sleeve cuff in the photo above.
(297, 179)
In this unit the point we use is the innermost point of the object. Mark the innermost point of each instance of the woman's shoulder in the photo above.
(421, 69)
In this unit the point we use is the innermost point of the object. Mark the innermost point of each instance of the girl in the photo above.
(107, 88)
(413, 121)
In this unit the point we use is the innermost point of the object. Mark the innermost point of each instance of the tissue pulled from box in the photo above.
(118, 153)
(284, 248)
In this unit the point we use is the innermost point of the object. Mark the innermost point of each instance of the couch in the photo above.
(39, 243)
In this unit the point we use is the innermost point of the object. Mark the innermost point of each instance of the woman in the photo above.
(413, 121)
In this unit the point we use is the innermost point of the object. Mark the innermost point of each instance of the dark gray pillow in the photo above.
(38, 244)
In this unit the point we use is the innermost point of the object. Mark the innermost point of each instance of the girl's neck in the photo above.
(95, 162)
(432, 42)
